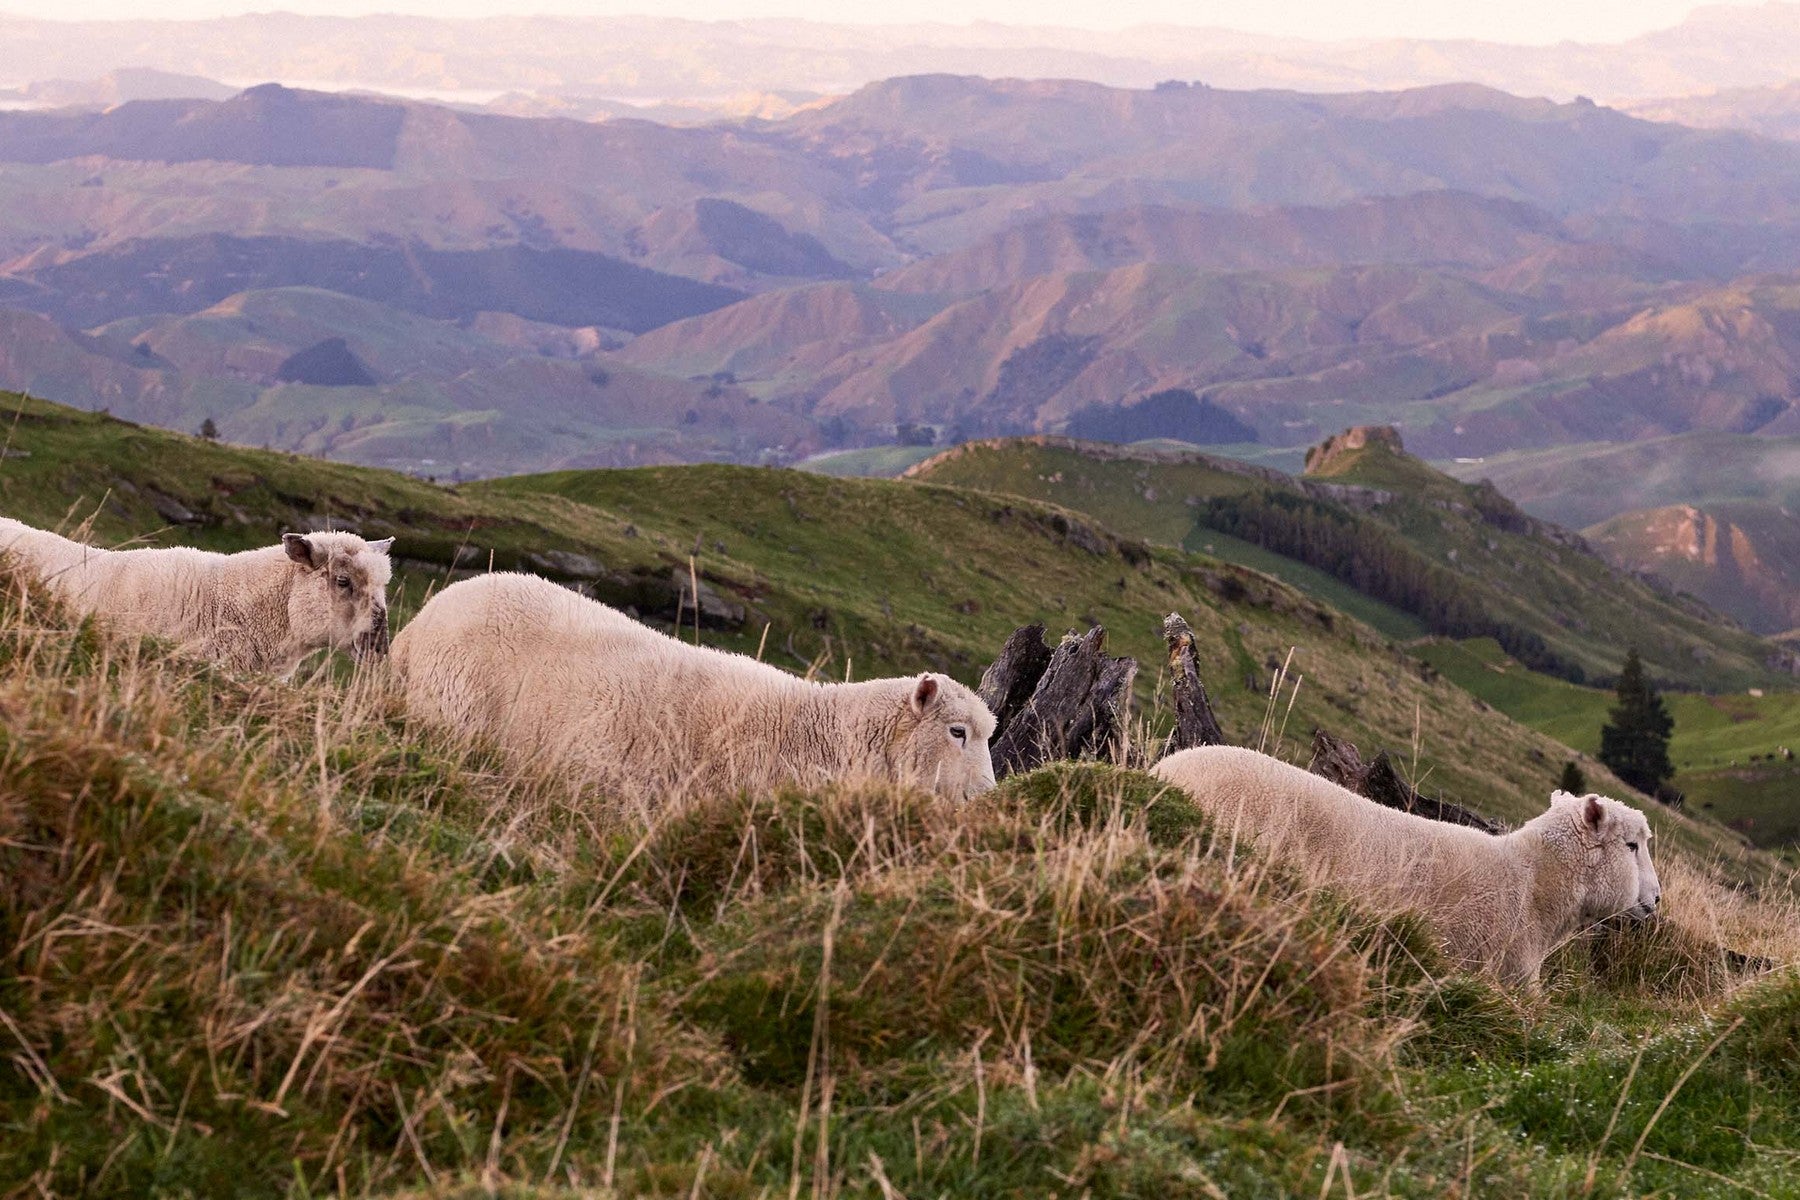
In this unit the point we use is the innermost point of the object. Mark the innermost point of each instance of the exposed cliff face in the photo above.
(1743, 559)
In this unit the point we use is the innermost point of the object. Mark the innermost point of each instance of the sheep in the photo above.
(1497, 904)
(557, 678)
(259, 610)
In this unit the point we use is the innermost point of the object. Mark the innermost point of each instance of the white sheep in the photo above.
(556, 678)
(260, 610)
(1499, 904)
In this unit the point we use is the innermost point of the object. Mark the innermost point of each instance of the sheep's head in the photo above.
(340, 600)
(941, 741)
(1619, 877)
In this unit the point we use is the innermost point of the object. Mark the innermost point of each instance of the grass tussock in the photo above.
(261, 939)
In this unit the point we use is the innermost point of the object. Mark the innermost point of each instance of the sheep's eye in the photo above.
(960, 733)
(343, 581)
(1631, 846)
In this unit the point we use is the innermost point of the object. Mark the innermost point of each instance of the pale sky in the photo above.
(1526, 21)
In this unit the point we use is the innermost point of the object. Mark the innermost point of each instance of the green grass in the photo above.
(1726, 749)
(1586, 611)
(261, 939)
(868, 577)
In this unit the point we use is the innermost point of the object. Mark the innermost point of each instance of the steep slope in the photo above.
(1028, 356)
(1742, 558)
(1459, 554)
(1711, 513)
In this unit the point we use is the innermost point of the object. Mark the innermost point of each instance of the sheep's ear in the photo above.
(1593, 813)
(924, 692)
(298, 548)
(383, 546)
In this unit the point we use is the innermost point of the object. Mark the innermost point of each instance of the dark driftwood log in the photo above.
(1337, 760)
(1077, 709)
(1007, 684)
(1195, 722)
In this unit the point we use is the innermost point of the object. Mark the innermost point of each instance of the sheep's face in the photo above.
(1622, 878)
(941, 741)
(341, 599)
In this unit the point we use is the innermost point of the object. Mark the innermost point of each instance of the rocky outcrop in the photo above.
(1322, 457)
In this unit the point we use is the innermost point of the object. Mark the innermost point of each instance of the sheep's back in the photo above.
(1330, 832)
(548, 672)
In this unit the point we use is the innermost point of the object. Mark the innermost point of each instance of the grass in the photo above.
(1727, 750)
(1587, 611)
(848, 576)
(265, 940)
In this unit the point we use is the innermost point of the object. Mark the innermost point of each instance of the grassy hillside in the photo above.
(1728, 750)
(1586, 612)
(260, 939)
(864, 577)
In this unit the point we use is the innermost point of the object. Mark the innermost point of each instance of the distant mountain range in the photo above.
(935, 256)
(656, 58)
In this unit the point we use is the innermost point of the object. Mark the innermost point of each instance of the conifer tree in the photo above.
(1635, 739)
(1573, 781)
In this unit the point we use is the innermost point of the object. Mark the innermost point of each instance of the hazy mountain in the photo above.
(1489, 271)
(565, 287)
(1771, 111)
(118, 87)
(1443, 228)
(659, 58)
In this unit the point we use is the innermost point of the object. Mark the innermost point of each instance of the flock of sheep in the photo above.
(556, 679)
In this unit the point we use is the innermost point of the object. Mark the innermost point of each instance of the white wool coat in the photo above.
(558, 679)
(259, 610)
(1497, 904)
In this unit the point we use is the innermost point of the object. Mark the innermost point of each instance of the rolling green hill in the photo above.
(1534, 578)
(853, 576)
(1733, 754)
(261, 939)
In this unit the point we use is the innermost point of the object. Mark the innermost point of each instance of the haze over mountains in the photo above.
(656, 58)
(929, 257)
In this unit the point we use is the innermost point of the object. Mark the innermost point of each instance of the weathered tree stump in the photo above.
(1007, 684)
(1337, 760)
(1077, 704)
(1195, 722)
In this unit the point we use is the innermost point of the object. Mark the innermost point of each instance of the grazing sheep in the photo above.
(1498, 904)
(554, 677)
(261, 610)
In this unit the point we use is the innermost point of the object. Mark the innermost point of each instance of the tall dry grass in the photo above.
(261, 938)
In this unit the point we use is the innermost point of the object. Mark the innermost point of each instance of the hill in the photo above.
(331, 947)
(1561, 602)
(866, 576)
(1741, 558)
(1713, 514)
(1427, 228)
(659, 59)
(1732, 753)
